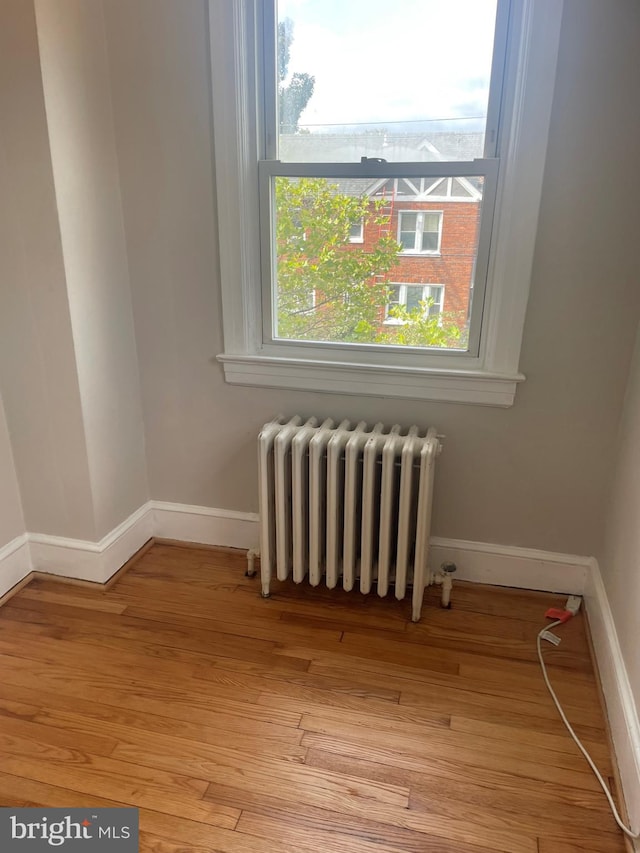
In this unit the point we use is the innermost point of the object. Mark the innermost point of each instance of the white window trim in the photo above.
(490, 378)
(434, 253)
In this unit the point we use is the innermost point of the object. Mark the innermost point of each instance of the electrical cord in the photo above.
(582, 749)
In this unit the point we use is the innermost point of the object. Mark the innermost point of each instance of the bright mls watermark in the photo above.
(35, 830)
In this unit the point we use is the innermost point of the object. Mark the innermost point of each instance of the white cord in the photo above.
(556, 701)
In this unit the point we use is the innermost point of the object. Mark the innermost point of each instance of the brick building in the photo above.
(436, 221)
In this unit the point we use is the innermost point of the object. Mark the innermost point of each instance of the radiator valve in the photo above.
(445, 578)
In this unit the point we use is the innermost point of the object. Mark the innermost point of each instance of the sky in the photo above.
(392, 60)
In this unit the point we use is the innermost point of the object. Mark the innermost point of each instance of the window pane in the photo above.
(394, 294)
(329, 289)
(415, 295)
(429, 241)
(431, 222)
(407, 236)
(351, 79)
(435, 294)
(408, 221)
(355, 232)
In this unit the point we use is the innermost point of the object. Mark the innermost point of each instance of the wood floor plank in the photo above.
(283, 744)
(137, 630)
(87, 740)
(314, 835)
(262, 803)
(316, 722)
(270, 630)
(418, 714)
(486, 789)
(453, 699)
(73, 597)
(292, 684)
(559, 845)
(581, 705)
(412, 653)
(534, 739)
(233, 767)
(442, 742)
(135, 784)
(20, 789)
(429, 750)
(474, 672)
(602, 837)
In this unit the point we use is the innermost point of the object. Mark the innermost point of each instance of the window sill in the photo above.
(453, 386)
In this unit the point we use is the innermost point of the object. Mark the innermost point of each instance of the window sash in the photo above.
(421, 234)
(268, 170)
(267, 55)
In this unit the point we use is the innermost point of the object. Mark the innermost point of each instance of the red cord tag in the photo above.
(557, 614)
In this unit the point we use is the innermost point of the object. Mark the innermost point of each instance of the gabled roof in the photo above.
(394, 147)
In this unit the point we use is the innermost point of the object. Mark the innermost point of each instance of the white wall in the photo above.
(68, 361)
(127, 90)
(533, 475)
(11, 516)
(620, 563)
(87, 183)
(37, 360)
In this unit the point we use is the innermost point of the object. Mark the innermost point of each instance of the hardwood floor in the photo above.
(313, 722)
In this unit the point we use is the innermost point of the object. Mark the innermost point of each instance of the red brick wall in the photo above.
(453, 267)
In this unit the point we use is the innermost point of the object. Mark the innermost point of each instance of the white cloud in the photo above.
(391, 60)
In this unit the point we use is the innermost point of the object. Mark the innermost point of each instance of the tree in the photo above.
(294, 97)
(329, 289)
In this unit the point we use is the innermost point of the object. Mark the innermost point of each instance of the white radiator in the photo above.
(346, 503)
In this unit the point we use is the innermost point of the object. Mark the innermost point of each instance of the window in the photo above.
(356, 232)
(427, 299)
(419, 232)
(280, 129)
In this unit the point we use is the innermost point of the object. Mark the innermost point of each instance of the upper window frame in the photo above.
(490, 375)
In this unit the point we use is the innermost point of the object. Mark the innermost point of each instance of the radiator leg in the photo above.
(445, 578)
(447, 586)
(416, 611)
(265, 591)
(252, 553)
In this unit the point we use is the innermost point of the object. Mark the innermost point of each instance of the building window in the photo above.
(426, 300)
(356, 232)
(280, 127)
(420, 232)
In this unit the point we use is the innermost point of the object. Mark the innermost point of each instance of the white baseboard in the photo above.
(206, 525)
(480, 562)
(624, 723)
(507, 565)
(15, 562)
(92, 561)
